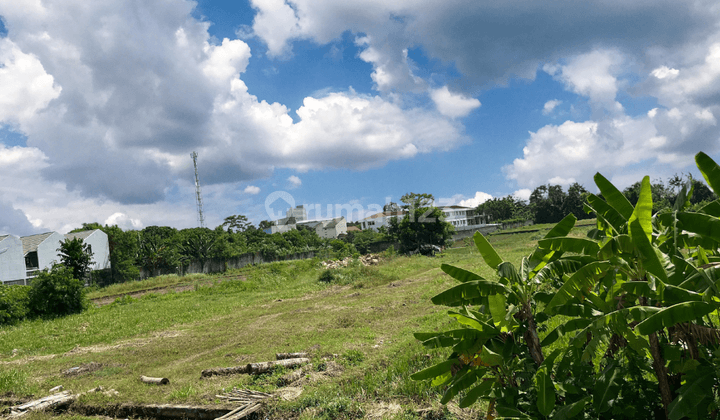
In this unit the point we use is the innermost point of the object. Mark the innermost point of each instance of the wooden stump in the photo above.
(155, 381)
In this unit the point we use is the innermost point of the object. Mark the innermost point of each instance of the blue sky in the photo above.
(341, 103)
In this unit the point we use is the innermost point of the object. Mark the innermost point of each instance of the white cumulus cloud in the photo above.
(294, 181)
(252, 190)
(550, 106)
(451, 104)
(479, 198)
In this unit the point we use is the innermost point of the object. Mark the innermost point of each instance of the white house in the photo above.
(377, 220)
(40, 251)
(288, 223)
(330, 228)
(98, 241)
(460, 217)
(12, 264)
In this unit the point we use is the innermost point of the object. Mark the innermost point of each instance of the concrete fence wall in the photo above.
(216, 265)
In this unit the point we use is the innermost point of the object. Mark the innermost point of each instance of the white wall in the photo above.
(98, 242)
(47, 251)
(12, 262)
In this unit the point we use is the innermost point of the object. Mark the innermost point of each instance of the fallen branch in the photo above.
(283, 356)
(155, 381)
(51, 401)
(223, 371)
(256, 368)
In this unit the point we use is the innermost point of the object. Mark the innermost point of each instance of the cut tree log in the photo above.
(51, 401)
(283, 356)
(262, 367)
(241, 412)
(223, 371)
(294, 375)
(155, 381)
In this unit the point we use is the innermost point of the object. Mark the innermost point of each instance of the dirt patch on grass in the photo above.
(82, 369)
(383, 410)
(106, 300)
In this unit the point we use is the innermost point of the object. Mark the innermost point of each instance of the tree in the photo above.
(391, 207)
(76, 255)
(56, 292)
(422, 225)
(197, 244)
(158, 249)
(236, 223)
(416, 201)
(124, 251)
(265, 224)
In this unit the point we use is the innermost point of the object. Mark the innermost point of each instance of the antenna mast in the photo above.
(198, 195)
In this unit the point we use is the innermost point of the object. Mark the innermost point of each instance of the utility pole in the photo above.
(198, 195)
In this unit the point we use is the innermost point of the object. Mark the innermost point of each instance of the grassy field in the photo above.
(358, 330)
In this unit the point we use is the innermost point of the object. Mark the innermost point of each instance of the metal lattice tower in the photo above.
(198, 195)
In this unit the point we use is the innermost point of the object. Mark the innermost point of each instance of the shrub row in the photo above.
(51, 294)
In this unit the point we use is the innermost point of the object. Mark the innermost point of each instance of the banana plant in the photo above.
(638, 289)
(496, 353)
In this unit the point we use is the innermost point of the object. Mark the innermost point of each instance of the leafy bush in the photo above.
(13, 304)
(55, 292)
(327, 276)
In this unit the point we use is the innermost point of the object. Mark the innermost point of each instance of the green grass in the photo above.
(365, 315)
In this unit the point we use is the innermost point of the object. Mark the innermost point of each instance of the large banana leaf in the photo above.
(651, 260)
(583, 280)
(545, 389)
(643, 211)
(460, 382)
(606, 212)
(571, 410)
(563, 227)
(576, 245)
(606, 388)
(690, 396)
(487, 251)
(710, 170)
(570, 326)
(620, 244)
(556, 269)
(712, 208)
(474, 323)
(667, 317)
(673, 295)
(507, 271)
(699, 223)
(469, 293)
(460, 274)
(435, 371)
(479, 391)
(614, 197)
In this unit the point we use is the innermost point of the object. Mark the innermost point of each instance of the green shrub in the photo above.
(328, 276)
(13, 304)
(55, 292)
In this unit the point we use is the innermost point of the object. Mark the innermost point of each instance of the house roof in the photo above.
(353, 229)
(386, 214)
(3, 237)
(457, 207)
(30, 243)
(82, 234)
(332, 223)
